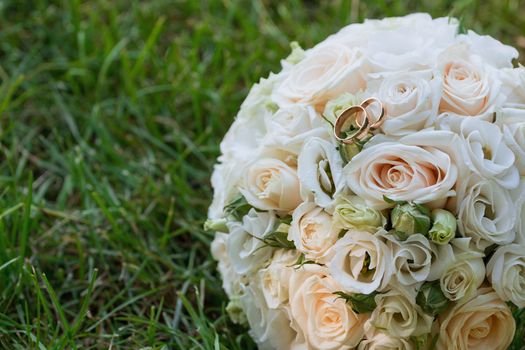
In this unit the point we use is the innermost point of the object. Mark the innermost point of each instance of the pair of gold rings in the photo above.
(355, 123)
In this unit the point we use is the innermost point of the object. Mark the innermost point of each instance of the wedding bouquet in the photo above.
(370, 195)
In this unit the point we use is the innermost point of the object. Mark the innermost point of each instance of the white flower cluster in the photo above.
(411, 239)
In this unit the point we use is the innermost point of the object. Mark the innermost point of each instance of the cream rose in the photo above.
(312, 231)
(361, 262)
(291, 127)
(487, 154)
(246, 250)
(320, 170)
(470, 87)
(326, 72)
(398, 315)
(410, 100)
(463, 269)
(412, 258)
(324, 320)
(271, 184)
(384, 341)
(506, 273)
(275, 278)
(482, 322)
(401, 173)
(485, 212)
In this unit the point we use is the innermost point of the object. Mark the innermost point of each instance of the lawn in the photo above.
(111, 116)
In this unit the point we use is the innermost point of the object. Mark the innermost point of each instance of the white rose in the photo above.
(270, 328)
(224, 181)
(506, 273)
(518, 197)
(351, 213)
(470, 86)
(361, 262)
(398, 315)
(402, 172)
(487, 154)
(492, 50)
(320, 170)
(312, 231)
(324, 320)
(252, 116)
(271, 184)
(482, 322)
(464, 270)
(275, 278)
(485, 212)
(412, 258)
(326, 72)
(245, 248)
(290, 127)
(514, 136)
(410, 100)
(384, 341)
(231, 280)
(260, 95)
(239, 146)
(513, 81)
(408, 43)
(413, 38)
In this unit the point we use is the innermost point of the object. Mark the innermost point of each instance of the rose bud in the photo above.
(408, 219)
(443, 227)
(352, 213)
(349, 151)
(218, 225)
(235, 311)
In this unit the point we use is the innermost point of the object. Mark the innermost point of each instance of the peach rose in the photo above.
(323, 320)
(482, 322)
(470, 87)
(402, 173)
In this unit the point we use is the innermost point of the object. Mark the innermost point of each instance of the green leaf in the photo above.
(391, 201)
(238, 208)
(301, 260)
(360, 303)
(278, 239)
(431, 299)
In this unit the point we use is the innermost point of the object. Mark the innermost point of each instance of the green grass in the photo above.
(111, 115)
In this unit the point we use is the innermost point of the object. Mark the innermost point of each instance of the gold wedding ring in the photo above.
(375, 115)
(351, 124)
(357, 121)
